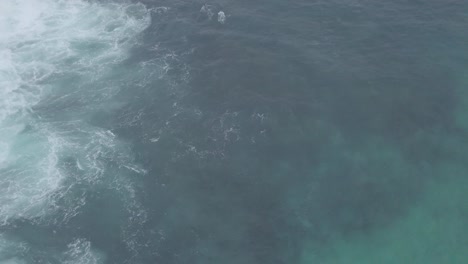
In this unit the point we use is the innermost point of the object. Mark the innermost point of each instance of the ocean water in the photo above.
(172, 132)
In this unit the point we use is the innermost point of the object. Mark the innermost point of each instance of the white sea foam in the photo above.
(81, 252)
(51, 53)
(207, 10)
(43, 45)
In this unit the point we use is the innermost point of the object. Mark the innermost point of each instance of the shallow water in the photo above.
(284, 132)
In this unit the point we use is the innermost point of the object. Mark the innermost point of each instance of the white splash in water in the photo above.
(221, 17)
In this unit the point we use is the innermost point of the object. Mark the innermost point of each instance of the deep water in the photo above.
(292, 132)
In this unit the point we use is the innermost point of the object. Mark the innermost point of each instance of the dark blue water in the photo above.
(285, 132)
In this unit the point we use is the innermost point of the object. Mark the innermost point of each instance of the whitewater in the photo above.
(56, 60)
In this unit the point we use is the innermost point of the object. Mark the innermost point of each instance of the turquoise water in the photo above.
(233, 132)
